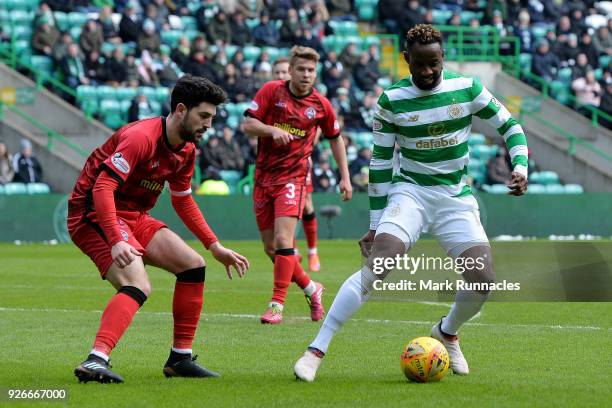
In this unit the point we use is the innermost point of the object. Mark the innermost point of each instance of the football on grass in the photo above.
(424, 359)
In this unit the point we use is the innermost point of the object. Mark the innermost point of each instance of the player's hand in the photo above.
(229, 259)
(346, 189)
(366, 242)
(124, 254)
(517, 184)
(281, 137)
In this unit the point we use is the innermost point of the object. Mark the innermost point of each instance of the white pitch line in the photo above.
(373, 321)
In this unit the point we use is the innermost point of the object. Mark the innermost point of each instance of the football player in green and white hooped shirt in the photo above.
(429, 116)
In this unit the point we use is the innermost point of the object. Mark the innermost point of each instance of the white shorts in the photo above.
(411, 210)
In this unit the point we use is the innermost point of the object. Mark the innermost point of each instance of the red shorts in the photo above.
(137, 228)
(309, 188)
(282, 200)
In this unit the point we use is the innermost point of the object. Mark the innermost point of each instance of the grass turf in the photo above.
(520, 354)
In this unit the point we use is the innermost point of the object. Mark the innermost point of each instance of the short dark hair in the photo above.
(423, 34)
(193, 90)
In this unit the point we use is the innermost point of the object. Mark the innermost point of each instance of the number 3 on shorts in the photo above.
(291, 192)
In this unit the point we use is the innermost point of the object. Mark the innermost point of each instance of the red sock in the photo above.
(284, 264)
(115, 320)
(186, 309)
(300, 277)
(309, 221)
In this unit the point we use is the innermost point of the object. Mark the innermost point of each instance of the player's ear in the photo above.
(406, 57)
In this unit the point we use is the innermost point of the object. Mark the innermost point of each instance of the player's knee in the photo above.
(139, 293)
(193, 275)
(195, 260)
(281, 241)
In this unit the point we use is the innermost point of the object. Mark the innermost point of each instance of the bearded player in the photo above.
(280, 70)
(285, 115)
(108, 220)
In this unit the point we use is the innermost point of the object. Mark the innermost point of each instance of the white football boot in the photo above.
(457, 362)
(306, 367)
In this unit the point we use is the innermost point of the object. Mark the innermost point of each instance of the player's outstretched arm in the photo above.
(255, 128)
(192, 217)
(339, 151)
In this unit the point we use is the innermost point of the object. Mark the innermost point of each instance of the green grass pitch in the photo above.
(520, 353)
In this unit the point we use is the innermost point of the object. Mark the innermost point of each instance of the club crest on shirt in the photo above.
(280, 104)
(336, 125)
(120, 163)
(455, 111)
(124, 235)
(376, 125)
(253, 106)
(310, 112)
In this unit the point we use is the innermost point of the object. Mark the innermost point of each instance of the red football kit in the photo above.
(121, 181)
(281, 171)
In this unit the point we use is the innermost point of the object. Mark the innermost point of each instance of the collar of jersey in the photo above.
(294, 95)
(167, 141)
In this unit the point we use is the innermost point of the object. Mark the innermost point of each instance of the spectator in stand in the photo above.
(140, 108)
(554, 9)
(218, 62)
(238, 59)
(570, 51)
(157, 12)
(241, 33)
(61, 48)
(389, 15)
(109, 29)
(365, 77)
(582, 66)
(545, 64)
(230, 81)
(455, 19)
(564, 26)
(133, 77)
(198, 66)
(367, 110)
(263, 62)
(305, 38)
(26, 167)
(523, 31)
(6, 165)
(230, 151)
(265, 34)
(248, 151)
(362, 160)
(115, 68)
(496, 7)
(588, 92)
(199, 44)
(246, 84)
(146, 72)
(332, 80)
(340, 9)
(218, 29)
(45, 37)
(167, 70)
(374, 60)
(606, 104)
(411, 15)
(577, 18)
(44, 11)
(211, 159)
(180, 54)
(94, 69)
(349, 57)
(324, 180)
(331, 61)
(289, 27)
(73, 68)
(603, 41)
(498, 167)
(347, 84)
(148, 38)
(514, 9)
(129, 26)
(318, 25)
(91, 38)
(343, 106)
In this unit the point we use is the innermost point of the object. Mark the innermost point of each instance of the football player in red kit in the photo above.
(108, 220)
(285, 115)
(280, 70)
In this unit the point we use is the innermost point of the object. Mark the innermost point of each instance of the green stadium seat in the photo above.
(440, 17)
(233, 122)
(22, 32)
(232, 109)
(22, 46)
(125, 107)
(171, 37)
(467, 16)
(21, 17)
(113, 121)
(274, 52)
(565, 75)
(230, 50)
(191, 34)
(477, 166)
(15, 188)
(525, 63)
(482, 152)
(109, 107)
(544, 177)
(251, 53)
(38, 188)
(604, 60)
(106, 92)
(89, 106)
(371, 40)
(539, 32)
(189, 23)
(598, 73)
(321, 88)
(329, 42)
(252, 23)
(61, 19)
(4, 16)
(42, 63)
(148, 91)
(478, 177)
(126, 93)
(86, 92)
(536, 189)
(75, 32)
(477, 139)
(16, 4)
(231, 178)
(162, 94)
(573, 189)
(555, 189)
(76, 19)
(156, 107)
(499, 189)
(366, 12)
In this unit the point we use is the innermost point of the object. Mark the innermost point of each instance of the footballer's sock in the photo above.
(186, 307)
(352, 294)
(116, 318)
(309, 222)
(284, 265)
(467, 304)
(301, 278)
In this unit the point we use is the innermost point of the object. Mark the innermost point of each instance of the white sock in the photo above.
(312, 251)
(467, 304)
(349, 299)
(182, 351)
(100, 354)
(279, 305)
(310, 288)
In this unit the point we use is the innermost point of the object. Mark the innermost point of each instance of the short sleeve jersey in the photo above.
(140, 157)
(275, 105)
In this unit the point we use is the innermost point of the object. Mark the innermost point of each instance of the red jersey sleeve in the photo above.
(180, 182)
(132, 148)
(261, 102)
(329, 123)
(188, 211)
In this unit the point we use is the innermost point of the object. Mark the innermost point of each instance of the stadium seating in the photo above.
(15, 188)
(38, 188)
